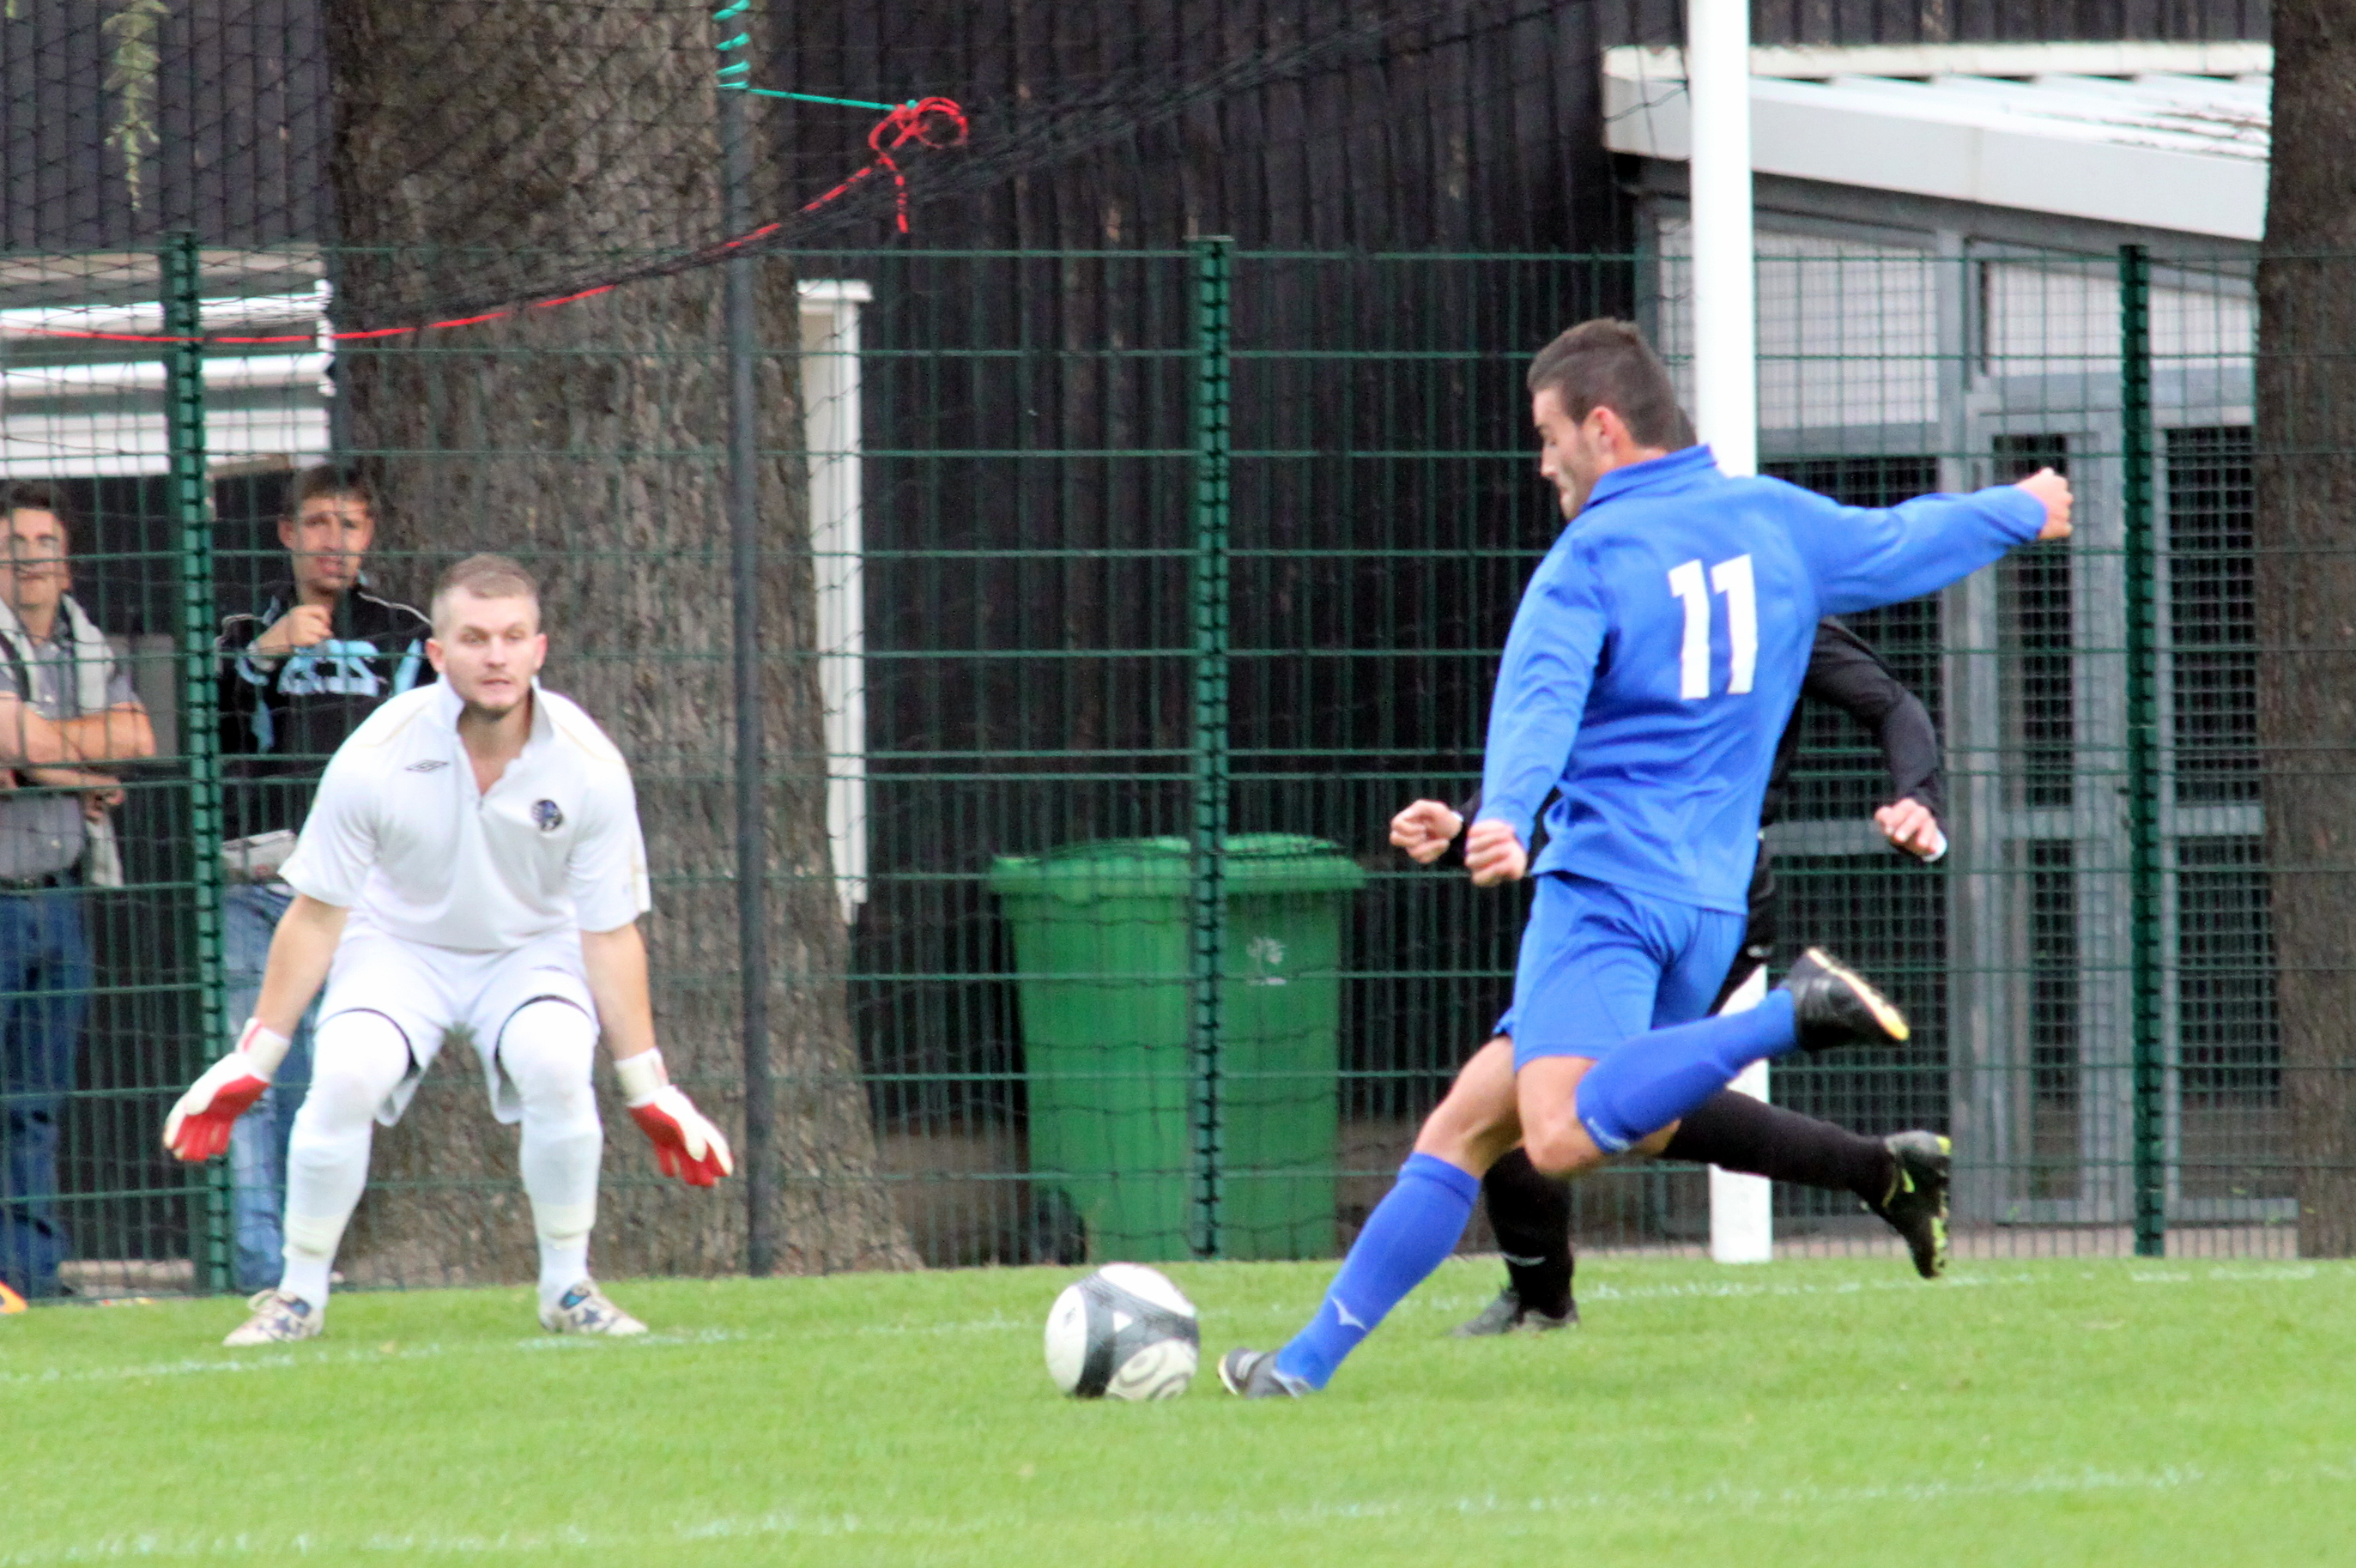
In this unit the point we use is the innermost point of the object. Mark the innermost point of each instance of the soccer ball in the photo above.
(1126, 1331)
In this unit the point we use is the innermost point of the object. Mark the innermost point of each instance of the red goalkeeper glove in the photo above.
(198, 1126)
(686, 1142)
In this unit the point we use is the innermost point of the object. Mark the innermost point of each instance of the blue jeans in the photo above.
(257, 1143)
(45, 980)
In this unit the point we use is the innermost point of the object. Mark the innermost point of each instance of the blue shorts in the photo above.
(1601, 965)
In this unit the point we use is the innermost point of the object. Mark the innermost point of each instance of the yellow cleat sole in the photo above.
(1885, 1012)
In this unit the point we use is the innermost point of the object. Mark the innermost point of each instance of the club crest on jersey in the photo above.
(546, 814)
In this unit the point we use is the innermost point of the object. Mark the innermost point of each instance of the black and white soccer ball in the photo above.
(1124, 1331)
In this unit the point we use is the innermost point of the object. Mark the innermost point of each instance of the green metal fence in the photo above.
(1208, 554)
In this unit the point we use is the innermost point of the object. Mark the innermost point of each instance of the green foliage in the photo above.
(2065, 1411)
(133, 61)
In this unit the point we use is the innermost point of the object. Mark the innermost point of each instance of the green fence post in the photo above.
(1213, 271)
(2145, 959)
(192, 509)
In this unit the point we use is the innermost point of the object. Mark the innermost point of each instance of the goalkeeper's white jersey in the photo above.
(399, 834)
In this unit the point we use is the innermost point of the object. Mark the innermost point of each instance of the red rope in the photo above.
(927, 122)
(930, 121)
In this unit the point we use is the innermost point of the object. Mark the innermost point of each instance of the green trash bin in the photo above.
(1102, 946)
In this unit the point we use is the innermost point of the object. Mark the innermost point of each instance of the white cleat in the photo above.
(584, 1309)
(278, 1319)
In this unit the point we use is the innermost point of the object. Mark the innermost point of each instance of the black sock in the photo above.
(1735, 1132)
(1531, 1215)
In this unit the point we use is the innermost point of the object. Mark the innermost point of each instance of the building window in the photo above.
(2212, 615)
(2033, 611)
(2051, 959)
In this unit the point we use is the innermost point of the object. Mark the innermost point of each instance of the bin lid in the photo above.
(1123, 868)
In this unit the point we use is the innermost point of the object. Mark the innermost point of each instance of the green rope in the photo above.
(814, 98)
(746, 66)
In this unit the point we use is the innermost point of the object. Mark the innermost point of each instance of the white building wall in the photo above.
(830, 423)
(2063, 318)
(1848, 329)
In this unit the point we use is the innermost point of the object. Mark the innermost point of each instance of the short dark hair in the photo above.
(1607, 364)
(32, 495)
(485, 577)
(330, 479)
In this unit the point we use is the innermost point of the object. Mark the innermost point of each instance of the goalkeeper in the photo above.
(472, 862)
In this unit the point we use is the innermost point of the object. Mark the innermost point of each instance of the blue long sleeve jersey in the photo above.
(1660, 647)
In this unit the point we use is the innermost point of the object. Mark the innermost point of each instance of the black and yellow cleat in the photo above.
(1253, 1375)
(1833, 1005)
(1916, 1204)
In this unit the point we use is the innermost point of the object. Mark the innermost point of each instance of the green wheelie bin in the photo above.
(1102, 949)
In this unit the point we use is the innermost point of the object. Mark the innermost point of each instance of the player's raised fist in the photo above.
(2054, 490)
(1425, 830)
(1493, 854)
(198, 1126)
(687, 1144)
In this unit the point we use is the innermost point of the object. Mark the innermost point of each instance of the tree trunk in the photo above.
(481, 149)
(2305, 536)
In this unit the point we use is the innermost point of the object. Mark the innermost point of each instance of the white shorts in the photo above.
(432, 993)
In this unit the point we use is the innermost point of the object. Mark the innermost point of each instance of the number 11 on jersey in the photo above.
(1731, 578)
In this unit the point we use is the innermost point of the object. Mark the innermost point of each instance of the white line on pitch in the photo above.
(1769, 1499)
(297, 1360)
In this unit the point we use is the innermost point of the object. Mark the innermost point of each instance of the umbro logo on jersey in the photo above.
(427, 766)
(546, 814)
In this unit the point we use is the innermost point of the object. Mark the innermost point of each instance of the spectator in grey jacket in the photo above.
(68, 710)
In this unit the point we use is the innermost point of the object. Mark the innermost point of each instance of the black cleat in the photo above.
(1831, 1005)
(1916, 1205)
(1506, 1314)
(1253, 1374)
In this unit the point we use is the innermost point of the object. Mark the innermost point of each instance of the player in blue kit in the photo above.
(1652, 665)
(1902, 1178)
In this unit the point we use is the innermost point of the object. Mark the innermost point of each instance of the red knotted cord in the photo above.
(928, 121)
(932, 121)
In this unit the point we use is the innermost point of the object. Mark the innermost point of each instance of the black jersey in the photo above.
(1844, 670)
(281, 718)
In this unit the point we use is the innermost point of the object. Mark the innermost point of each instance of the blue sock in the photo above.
(1410, 1233)
(1655, 1080)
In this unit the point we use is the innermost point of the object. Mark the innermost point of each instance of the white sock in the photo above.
(310, 1254)
(546, 1050)
(358, 1060)
(563, 1265)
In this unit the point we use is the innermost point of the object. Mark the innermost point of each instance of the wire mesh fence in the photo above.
(1111, 602)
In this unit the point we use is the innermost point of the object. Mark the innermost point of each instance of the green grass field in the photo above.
(1819, 1413)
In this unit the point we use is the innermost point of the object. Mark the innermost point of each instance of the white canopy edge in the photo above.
(2056, 143)
(1635, 62)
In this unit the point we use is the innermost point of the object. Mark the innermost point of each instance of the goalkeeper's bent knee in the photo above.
(548, 1050)
(359, 1059)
